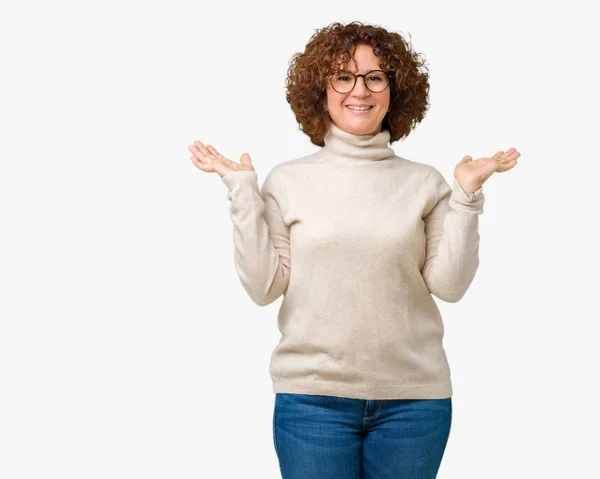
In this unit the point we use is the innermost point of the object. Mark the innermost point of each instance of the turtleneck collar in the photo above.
(343, 147)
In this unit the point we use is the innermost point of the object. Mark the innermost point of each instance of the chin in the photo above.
(365, 130)
(358, 127)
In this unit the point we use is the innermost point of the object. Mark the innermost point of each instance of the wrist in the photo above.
(467, 188)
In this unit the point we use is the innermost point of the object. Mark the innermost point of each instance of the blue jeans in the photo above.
(330, 437)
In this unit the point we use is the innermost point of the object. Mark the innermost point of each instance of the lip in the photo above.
(356, 112)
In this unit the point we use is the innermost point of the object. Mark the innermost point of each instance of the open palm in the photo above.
(208, 159)
(471, 174)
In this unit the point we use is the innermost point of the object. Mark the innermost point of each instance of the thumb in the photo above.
(466, 159)
(245, 160)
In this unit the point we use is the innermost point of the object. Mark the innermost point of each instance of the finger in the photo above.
(197, 148)
(498, 154)
(512, 156)
(509, 152)
(214, 151)
(203, 149)
(204, 167)
(218, 158)
(198, 144)
(507, 166)
(505, 157)
(195, 151)
(200, 156)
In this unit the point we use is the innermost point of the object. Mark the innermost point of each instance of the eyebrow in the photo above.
(366, 71)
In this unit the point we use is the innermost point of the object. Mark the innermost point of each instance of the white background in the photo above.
(129, 348)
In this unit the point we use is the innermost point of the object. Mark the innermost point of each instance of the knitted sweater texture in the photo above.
(357, 240)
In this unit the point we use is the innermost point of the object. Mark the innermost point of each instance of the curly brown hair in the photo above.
(329, 50)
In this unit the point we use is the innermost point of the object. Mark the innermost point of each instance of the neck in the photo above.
(343, 147)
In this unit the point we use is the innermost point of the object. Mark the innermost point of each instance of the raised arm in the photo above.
(261, 238)
(452, 232)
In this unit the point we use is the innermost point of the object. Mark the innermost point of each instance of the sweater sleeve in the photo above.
(261, 238)
(452, 236)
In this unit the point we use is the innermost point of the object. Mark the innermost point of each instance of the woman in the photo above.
(357, 240)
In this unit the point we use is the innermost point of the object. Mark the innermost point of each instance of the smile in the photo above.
(359, 108)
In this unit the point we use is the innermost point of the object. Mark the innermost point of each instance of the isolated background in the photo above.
(128, 347)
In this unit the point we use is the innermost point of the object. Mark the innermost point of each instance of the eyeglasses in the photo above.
(375, 80)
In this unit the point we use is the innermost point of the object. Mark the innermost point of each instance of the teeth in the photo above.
(360, 108)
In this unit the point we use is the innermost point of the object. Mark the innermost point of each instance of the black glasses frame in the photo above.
(364, 75)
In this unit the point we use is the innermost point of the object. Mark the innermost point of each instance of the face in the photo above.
(359, 122)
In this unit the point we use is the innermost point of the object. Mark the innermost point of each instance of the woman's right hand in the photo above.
(210, 160)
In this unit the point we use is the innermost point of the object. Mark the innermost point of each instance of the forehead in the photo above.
(363, 60)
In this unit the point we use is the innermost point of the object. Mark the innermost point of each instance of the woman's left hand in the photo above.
(472, 174)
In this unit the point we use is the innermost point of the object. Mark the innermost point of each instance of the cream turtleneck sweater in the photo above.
(357, 240)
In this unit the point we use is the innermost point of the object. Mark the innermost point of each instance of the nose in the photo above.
(360, 88)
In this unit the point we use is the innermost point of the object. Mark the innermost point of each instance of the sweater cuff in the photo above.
(467, 201)
(237, 181)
